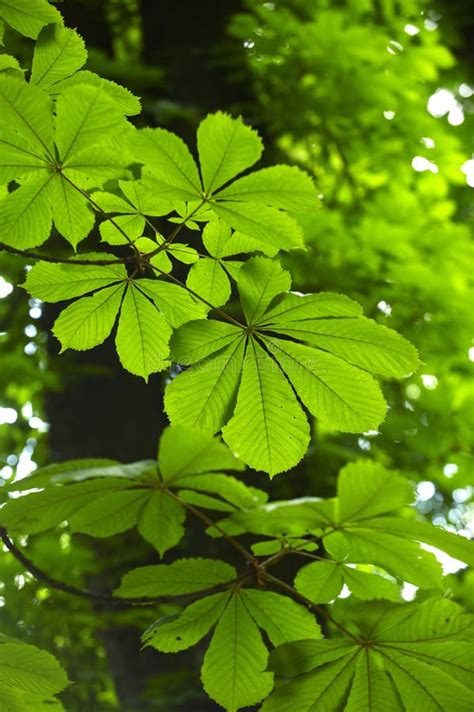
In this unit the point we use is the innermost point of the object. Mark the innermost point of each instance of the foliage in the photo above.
(256, 371)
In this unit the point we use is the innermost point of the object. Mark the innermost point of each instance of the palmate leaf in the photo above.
(409, 657)
(102, 497)
(29, 16)
(358, 527)
(85, 119)
(126, 102)
(253, 205)
(146, 310)
(233, 671)
(269, 429)
(28, 676)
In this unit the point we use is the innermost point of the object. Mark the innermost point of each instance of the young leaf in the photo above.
(29, 16)
(268, 430)
(142, 335)
(195, 341)
(18, 156)
(233, 669)
(161, 521)
(226, 147)
(58, 53)
(89, 321)
(175, 633)
(180, 577)
(227, 487)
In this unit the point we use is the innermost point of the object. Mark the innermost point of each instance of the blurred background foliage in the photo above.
(375, 99)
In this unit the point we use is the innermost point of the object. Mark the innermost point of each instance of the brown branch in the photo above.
(210, 523)
(61, 260)
(107, 600)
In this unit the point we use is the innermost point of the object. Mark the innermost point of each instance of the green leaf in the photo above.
(296, 307)
(85, 115)
(324, 689)
(161, 522)
(128, 103)
(174, 171)
(39, 511)
(111, 230)
(320, 581)
(288, 517)
(59, 52)
(268, 226)
(453, 544)
(233, 669)
(57, 282)
(359, 341)
(89, 321)
(180, 577)
(25, 214)
(29, 16)
(260, 281)
(285, 187)
(84, 469)
(281, 618)
(18, 156)
(177, 305)
(229, 488)
(226, 148)
(401, 558)
(417, 657)
(204, 501)
(193, 342)
(208, 279)
(142, 335)
(175, 633)
(368, 586)
(339, 395)
(366, 488)
(184, 452)
(220, 242)
(204, 395)
(109, 514)
(268, 430)
(93, 166)
(72, 214)
(27, 675)
(26, 109)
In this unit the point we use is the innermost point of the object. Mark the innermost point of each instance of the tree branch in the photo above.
(107, 600)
